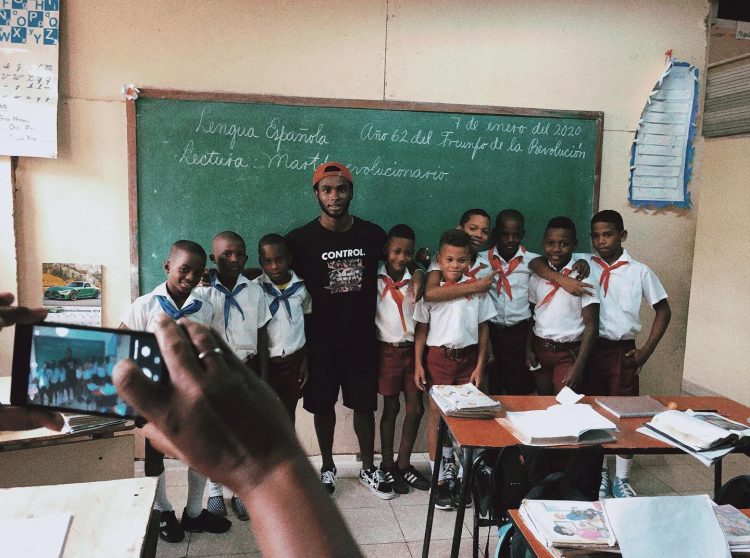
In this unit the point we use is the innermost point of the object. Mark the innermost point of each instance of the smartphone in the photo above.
(69, 367)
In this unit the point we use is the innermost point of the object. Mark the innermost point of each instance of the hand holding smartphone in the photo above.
(69, 367)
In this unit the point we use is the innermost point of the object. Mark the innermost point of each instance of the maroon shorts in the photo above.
(396, 369)
(510, 372)
(450, 367)
(555, 361)
(283, 377)
(609, 371)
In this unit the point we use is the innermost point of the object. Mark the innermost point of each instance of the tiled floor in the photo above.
(395, 528)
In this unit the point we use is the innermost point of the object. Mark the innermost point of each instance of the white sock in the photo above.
(622, 466)
(196, 486)
(215, 489)
(162, 502)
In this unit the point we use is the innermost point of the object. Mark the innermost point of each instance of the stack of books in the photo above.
(736, 528)
(464, 401)
(82, 423)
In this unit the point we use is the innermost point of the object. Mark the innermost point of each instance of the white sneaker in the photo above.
(328, 478)
(375, 480)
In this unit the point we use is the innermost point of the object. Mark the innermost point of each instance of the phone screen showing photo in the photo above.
(71, 368)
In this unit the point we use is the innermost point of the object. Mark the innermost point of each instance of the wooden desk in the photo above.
(471, 434)
(111, 518)
(540, 550)
(43, 456)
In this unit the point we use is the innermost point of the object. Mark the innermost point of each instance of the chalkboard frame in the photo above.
(323, 102)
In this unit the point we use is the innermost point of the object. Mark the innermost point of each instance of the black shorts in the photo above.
(352, 371)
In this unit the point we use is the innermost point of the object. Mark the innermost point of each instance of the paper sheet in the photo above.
(662, 152)
(29, 39)
(37, 537)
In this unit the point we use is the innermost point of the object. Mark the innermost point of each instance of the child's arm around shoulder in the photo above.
(590, 315)
(433, 292)
(572, 285)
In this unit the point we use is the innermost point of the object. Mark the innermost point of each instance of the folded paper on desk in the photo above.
(560, 425)
(631, 406)
(666, 526)
(40, 537)
(464, 401)
(700, 430)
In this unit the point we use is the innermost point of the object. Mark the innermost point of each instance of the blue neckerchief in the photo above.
(277, 296)
(173, 312)
(229, 299)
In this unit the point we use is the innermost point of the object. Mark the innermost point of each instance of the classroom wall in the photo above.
(583, 54)
(719, 329)
(8, 269)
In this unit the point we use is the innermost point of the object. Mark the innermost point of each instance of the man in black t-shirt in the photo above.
(338, 255)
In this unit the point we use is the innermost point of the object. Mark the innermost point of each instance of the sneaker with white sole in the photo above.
(444, 498)
(375, 480)
(621, 488)
(414, 478)
(605, 486)
(392, 476)
(328, 478)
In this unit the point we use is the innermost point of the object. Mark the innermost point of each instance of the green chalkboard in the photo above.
(202, 163)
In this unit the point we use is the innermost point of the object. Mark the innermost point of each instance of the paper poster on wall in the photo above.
(662, 153)
(72, 293)
(29, 39)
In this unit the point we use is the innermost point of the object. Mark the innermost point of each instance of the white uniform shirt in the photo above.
(286, 334)
(240, 333)
(510, 312)
(619, 309)
(145, 309)
(560, 318)
(455, 323)
(387, 317)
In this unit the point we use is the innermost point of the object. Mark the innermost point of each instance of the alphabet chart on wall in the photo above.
(29, 39)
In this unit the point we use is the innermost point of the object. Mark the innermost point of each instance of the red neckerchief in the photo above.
(607, 271)
(555, 288)
(502, 276)
(393, 287)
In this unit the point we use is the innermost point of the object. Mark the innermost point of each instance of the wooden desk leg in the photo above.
(717, 476)
(433, 485)
(468, 462)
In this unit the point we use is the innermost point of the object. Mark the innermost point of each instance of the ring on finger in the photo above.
(209, 352)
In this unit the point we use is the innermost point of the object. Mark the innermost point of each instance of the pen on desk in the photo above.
(705, 410)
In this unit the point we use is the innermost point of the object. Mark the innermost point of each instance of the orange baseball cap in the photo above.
(331, 168)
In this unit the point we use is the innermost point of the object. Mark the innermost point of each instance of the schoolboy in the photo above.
(476, 223)
(615, 362)
(565, 326)
(394, 323)
(510, 329)
(450, 344)
(239, 313)
(184, 266)
(288, 302)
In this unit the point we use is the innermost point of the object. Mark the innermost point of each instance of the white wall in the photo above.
(585, 55)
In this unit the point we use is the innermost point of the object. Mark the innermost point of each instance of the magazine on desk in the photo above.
(464, 401)
(560, 425)
(700, 431)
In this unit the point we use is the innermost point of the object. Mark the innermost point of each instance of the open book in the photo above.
(464, 401)
(560, 425)
(700, 430)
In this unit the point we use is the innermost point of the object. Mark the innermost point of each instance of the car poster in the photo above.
(72, 293)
